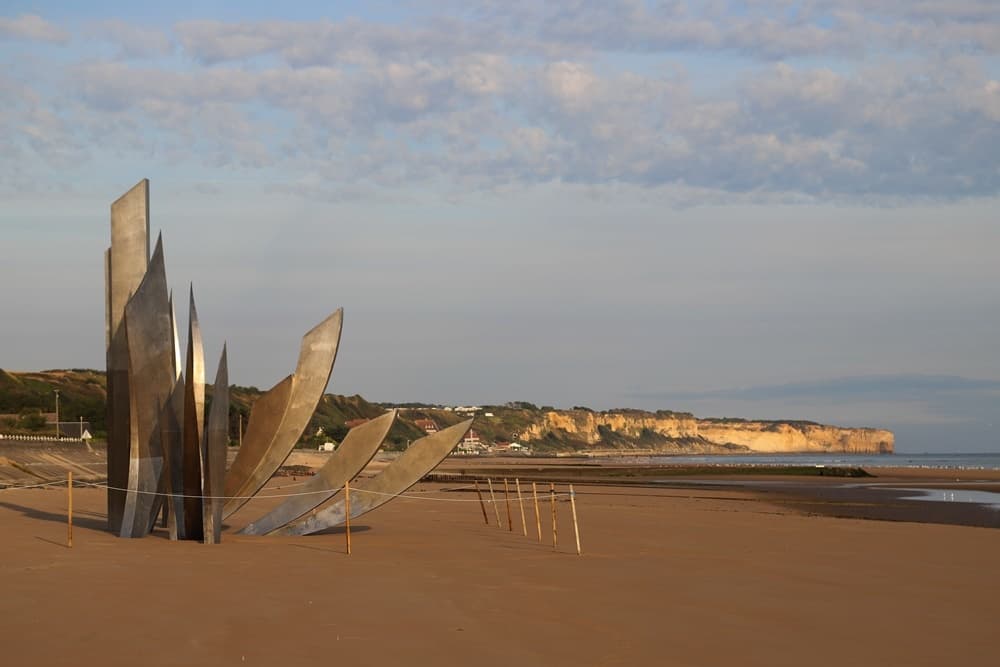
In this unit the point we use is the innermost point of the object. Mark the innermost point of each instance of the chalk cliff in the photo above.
(659, 431)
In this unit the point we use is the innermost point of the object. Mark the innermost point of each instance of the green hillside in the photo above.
(83, 393)
(24, 396)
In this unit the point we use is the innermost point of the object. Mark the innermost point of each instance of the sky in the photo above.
(766, 209)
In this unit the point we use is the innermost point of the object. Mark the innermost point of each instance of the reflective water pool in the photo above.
(988, 498)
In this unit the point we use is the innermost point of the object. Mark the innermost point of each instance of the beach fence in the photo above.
(554, 496)
(570, 497)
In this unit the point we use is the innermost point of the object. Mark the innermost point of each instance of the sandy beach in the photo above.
(667, 577)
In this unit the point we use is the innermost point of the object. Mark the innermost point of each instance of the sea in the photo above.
(972, 461)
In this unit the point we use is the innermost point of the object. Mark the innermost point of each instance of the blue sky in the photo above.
(768, 209)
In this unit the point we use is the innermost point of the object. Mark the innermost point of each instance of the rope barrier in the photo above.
(412, 496)
(33, 486)
(289, 495)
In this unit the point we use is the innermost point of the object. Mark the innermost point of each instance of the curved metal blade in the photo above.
(151, 380)
(213, 454)
(351, 457)
(265, 418)
(423, 456)
(316, 358)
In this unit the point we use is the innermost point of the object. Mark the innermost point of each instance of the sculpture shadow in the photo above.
(48, 541)
(89, 520)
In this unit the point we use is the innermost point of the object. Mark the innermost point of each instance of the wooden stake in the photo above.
(576, 527)
(538, 516)
(506, 495)
(520, 501)
(482, 505)
(552, 497)
(347, 514)
(69, 510)
(493, 499)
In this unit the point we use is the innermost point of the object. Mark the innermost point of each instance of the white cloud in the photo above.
(588, 93)
(32, 27)
(134, 41)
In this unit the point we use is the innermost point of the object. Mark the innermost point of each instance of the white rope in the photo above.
(442, 500)
(416, 495)
(187, 495)
(33, 486)
(304, 493)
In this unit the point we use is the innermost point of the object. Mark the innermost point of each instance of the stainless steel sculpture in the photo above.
(194, 427)
(151, 380)
(421, 457)
(162, 450)
(316, 358)
(354, 453)
(213, 454)
(156, 434)
(171, 432)
(125, 264)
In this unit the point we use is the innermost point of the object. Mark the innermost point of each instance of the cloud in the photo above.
(303, 44)
(133, 41)
(586, 93)
(488, 120)
(766, 29)
(32, 27)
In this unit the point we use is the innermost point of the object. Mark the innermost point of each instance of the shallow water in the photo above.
(986, 498)
(987, 461)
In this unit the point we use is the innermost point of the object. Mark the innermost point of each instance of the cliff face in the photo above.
(595, 429)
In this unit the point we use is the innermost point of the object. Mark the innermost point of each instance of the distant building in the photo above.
(471, 440)
(510, 448)
(427, 425)
(77, 429)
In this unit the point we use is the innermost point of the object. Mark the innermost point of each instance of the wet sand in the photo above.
(669, 576)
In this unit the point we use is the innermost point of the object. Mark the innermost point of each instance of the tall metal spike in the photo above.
(125, 265)
(151, 381)
(213, 454)
(194, 425)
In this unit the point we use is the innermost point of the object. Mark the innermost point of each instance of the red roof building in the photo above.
(427, 425)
